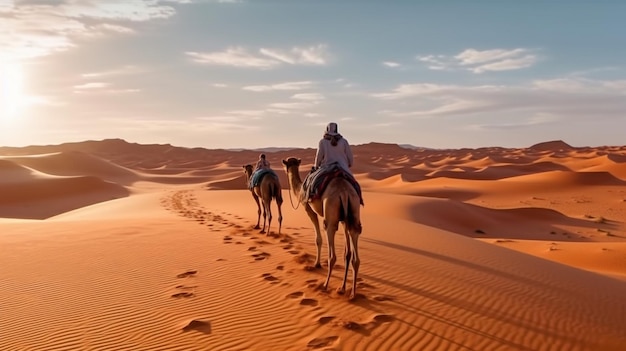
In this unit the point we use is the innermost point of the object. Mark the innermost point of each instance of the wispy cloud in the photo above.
(557, 97)
(264, 58)
(125, 70)
(301, 85)
(535, 120)
(391, 64)
(292, 105)
(205, 125)
(119, 10)
(235, 56)
(93, 85)
(38, 28)
(303, 102)
(309, 97)
(480, 61)
(313, 55)
(101, 88)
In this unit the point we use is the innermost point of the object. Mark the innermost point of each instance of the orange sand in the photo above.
(106, 245)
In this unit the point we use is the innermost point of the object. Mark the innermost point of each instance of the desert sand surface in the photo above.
(110, 245)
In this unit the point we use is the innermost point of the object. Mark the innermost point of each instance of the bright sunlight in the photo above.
(11, 91)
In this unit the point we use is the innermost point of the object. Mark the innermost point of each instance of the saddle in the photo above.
(256, 177)
(316, 182)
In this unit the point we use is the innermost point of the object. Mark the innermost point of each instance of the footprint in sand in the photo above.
(313, 284)
(309, 302)
(199, 325)
(295, 295)
(186, 274)
(365, 285)
(269, 277)
(325, 319)
(383, 318)
(382, 298)
(252, 248)
(260, 256)
(318, 343)
(183, 294)
(184, 287)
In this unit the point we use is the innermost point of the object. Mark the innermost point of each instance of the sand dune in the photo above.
(119, 246)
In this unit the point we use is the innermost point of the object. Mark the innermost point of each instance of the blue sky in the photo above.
(258, 73)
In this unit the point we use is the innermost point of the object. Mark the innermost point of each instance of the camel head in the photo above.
(292, 163)
(247, 170)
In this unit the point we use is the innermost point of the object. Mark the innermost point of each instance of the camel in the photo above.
(268, 189)
(338, 203)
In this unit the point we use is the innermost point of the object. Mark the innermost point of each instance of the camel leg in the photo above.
(348, 256)
(332, 256)
(279, 203)
(356, 261)
(269, 214)
(264, 217)
(258, 206)
(318, 235)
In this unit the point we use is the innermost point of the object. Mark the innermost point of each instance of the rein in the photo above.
(291, 201)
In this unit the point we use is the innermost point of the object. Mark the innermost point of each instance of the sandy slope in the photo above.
(486, 249)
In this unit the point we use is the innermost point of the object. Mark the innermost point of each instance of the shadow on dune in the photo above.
(481, 222)
(534, 288)
(76, 163)
(45, 198)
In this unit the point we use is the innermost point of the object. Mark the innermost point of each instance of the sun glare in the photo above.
(11, 91)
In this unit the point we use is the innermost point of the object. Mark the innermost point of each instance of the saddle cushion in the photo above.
(255, 180)
(316, 182)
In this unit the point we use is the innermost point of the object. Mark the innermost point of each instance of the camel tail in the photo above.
(275, 191)
(350, 214)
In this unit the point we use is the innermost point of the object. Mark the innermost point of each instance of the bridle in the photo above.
(291, 201)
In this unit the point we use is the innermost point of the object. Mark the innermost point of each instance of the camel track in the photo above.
(298, 281)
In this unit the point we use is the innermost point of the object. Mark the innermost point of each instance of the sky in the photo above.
(273, 73)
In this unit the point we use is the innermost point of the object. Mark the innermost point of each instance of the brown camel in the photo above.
(339, 203)
(268, 189)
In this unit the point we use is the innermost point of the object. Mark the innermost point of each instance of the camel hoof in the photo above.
(341, 291)
(317, 265)
(262, 231)
(257, 227)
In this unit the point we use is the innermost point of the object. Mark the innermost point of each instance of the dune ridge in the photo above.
(116, 245)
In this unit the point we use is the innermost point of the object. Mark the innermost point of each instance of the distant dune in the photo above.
(111, 245)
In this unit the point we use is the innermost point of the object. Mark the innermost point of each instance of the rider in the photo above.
(262, 165)
(333, 148)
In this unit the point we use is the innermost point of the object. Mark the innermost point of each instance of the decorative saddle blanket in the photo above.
(316, 182)
(255, 180)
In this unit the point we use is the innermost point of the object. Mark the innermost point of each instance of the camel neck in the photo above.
(295, 181)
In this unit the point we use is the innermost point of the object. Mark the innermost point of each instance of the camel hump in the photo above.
(317, 181)
(258, 175)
